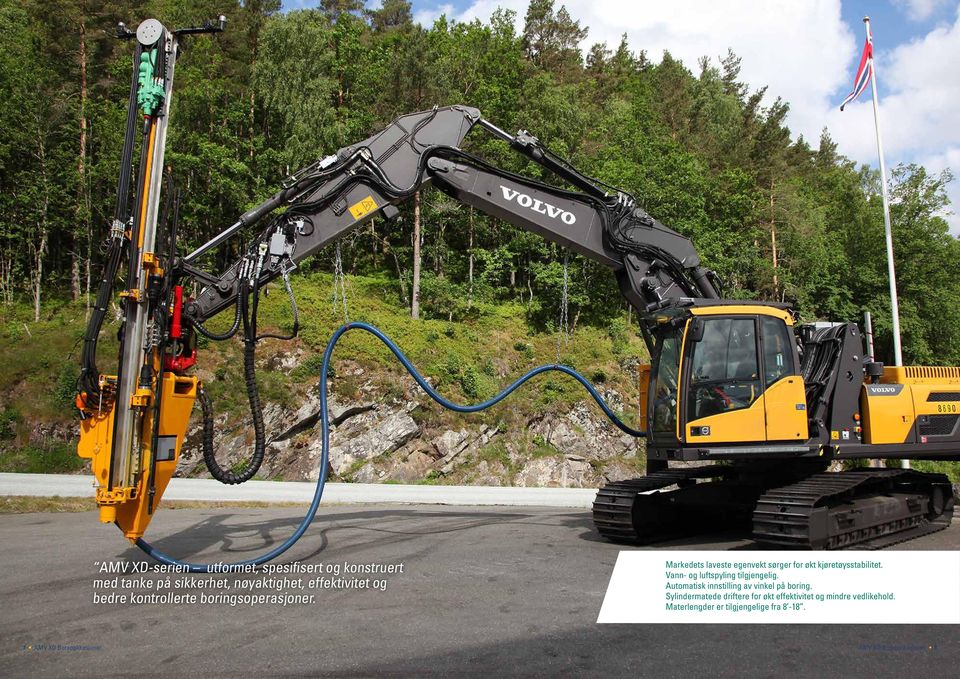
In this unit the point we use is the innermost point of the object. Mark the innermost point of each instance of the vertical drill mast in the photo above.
(137, 367)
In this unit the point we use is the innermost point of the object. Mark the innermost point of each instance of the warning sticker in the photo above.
(363, 208)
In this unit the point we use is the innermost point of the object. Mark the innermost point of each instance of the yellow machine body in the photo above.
(912, 404)
(129, 506)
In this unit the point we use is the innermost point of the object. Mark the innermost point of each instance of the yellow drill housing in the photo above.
(129, 506)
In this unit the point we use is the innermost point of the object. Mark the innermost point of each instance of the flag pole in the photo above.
(894, 306)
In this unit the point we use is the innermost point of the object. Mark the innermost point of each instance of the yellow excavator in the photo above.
(745, 409)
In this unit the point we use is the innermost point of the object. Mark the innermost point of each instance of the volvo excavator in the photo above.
(745, 407)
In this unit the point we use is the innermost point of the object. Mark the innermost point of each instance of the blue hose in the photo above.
(325, 434)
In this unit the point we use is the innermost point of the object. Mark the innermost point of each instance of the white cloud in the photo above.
(919, 96)
(806, 54)
(426, 17)
(803, 50)
(920, 10)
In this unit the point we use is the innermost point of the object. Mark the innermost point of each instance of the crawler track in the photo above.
(622, 513)
(870, 508)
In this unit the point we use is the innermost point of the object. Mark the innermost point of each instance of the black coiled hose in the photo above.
(252, 466)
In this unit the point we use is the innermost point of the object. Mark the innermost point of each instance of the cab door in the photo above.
(724, 395)
(785, 400)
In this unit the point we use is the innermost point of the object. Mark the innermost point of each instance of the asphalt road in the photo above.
(484, 591)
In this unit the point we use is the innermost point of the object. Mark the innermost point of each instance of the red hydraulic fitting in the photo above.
(176, 329)
(178, 364)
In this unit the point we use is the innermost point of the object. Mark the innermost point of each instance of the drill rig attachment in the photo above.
(133, 423)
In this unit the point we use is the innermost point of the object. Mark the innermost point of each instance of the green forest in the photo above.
(778, 216)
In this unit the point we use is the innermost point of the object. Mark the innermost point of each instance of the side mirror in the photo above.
(695, 329)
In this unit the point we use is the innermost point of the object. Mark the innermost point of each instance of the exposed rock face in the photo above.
(55, 431)
(452, 444)
(563, 472)
(584, 432)
(368, 436)
(377, 439)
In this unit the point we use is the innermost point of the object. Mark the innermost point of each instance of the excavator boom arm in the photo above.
(341, 192)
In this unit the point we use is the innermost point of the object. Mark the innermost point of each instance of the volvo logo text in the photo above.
(884, 389)
(523, 200)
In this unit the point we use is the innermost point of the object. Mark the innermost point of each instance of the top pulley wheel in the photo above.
(149, 32)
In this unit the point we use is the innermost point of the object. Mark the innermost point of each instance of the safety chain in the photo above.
(339, 285)
(563, 332)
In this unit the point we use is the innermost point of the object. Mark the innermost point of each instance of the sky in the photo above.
(805, 51)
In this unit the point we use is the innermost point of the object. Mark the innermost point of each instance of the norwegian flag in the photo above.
(864, 73)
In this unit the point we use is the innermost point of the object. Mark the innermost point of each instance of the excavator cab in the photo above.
(725, 373)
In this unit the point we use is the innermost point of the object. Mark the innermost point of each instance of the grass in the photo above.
(51, 457)
(495, 452)
(951, 469)
(467, 361)
(25, 504)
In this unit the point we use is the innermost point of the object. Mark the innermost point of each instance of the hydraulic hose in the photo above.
(325, 437)
(252, 466)
(89, 375)
(221, 336)
(293, 308)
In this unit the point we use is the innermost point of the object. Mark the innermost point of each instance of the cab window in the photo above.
(777, 350)
(663, 403)
(725, 372)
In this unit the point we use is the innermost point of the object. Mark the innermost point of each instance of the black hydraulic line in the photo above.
(325, 433)
(700, 281)
(215, 336)
(169, 217)
(293, 309)
(89, 374)
(133, 273)
(250, 217)
(818, 370)
(612, 212)
(252, 466)
(618, 212)
(531, 148)
(209, 455)
(302, 185)
(122, 210)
